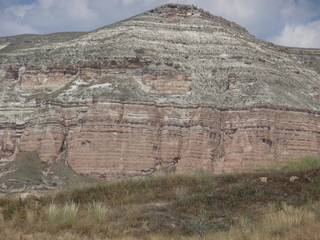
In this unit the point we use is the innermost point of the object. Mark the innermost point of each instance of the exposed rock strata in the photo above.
(113, 138)
(174, 87)
(174, 53)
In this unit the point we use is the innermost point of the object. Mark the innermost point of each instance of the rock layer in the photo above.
(107, 138)
(172, 88)
(173, 53)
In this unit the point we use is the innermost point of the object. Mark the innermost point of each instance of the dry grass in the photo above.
(285, 223)
(202, 205)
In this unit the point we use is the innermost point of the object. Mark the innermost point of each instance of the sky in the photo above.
(285, 22)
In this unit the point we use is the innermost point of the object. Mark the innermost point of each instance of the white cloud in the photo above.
(12, 20)
(18, 11)
(45, 4)
(65, 14)
(299, 11)
(75, 9)
(9, 28)
(307, 35)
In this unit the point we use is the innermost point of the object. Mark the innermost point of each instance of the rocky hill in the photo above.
(172, 88)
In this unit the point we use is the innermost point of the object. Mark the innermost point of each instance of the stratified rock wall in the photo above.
(173, 53)
(258, 135)
(110, 138)
(172, 89)
(142, 137)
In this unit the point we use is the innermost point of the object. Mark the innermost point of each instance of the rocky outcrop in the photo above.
(173, 53)
(173, 88)
(110, 138)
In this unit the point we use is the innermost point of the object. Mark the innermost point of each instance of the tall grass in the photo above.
(66, 215)
(70, 211)
(285, 223)
(53, 213)
(200, 205)
(281, 222)
(286, 219)
(305, 163)
(98, 210)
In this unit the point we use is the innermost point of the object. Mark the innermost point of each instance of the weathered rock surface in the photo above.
(174, 87)
(107, 138)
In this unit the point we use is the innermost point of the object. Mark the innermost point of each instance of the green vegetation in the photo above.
(26, 169)
(98, 210)
(308, 162)
(269, 204)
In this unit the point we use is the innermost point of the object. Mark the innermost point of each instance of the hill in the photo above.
(172, 89)
(174, 53)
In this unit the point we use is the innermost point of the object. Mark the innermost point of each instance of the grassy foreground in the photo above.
(265, 204)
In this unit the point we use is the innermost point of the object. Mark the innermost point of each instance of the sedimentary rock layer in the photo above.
(173, 53)
(107, 137)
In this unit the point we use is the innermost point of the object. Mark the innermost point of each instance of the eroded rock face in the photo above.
(173, 53)
(110, 138)
(174, 87)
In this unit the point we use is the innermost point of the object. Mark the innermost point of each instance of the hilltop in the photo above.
(173, 53)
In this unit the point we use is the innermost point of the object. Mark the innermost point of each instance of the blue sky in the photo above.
(284, 22)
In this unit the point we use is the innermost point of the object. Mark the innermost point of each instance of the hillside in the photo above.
(174, 88)
(266, 204)
(174, 53)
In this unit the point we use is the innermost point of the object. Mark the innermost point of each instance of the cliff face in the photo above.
(110, 138)
(142, 137)
(172, 88)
